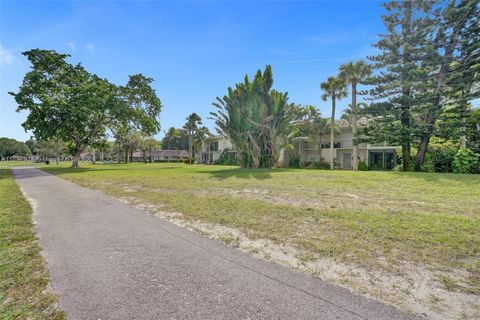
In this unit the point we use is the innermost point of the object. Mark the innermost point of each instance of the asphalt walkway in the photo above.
(109, 260)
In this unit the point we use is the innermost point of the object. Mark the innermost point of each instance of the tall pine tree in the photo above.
(398, 73)
(452, 66)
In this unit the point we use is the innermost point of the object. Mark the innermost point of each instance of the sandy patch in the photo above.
(412, 288)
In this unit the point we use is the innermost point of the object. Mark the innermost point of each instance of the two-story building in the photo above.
(211, 149)
(376, 157)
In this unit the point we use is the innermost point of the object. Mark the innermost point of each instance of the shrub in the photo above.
(307, 164)
(294, 163)
(441, 153)
(227, 157)
(428, 163)
(466, 161)
(321, 165)
(362, 166)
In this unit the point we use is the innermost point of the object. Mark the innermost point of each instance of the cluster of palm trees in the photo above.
(335, 88)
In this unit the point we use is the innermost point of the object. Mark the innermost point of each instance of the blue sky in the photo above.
(193, 49)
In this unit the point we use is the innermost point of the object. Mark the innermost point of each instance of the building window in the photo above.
(214, 146)
(382, 160)
(336, 145)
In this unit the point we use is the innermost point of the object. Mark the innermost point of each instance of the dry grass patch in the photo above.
(400, 237)
(24, 281)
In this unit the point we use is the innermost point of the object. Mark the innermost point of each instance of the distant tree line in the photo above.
(11, 147)
(417, 93)
(189, 137)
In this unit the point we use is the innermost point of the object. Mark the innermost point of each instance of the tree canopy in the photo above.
(67, 102)
(11, 147)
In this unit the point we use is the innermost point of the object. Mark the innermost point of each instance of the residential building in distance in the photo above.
(376, 157)
(161, 155)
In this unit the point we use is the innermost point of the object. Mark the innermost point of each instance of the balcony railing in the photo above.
(336, 145)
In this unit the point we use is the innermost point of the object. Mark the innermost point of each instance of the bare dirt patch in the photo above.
(413, 288)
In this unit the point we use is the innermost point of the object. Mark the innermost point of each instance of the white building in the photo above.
(376, 157)
(211, 149)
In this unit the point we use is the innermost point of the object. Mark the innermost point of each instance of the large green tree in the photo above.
(452, 62)
(65, 101)
(175, 139)
(11, 147)
(355, 73)
(335, 89)
(256, 119)
(398, 75)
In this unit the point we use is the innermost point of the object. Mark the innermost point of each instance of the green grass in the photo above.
(372, 219)
(23, 278)
(10, 164)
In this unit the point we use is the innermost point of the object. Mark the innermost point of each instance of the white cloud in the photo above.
(6, 57)
(90, 47)
(71, 45)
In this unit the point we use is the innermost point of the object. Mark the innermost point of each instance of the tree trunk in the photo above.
(190, 148)
(424, 141)
(441, 81)
(75, 161)
(300, 145)
(463, 112)
(354, 127)
(405, 121)
(332, 134)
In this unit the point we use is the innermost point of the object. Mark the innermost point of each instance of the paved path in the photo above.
(109, 260)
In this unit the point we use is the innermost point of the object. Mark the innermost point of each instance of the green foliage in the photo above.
(428, 164)
(52, 148)
(321, 165)
(441, 154)
(227, 157)
(11, 147)
(192, 126)
(362, 166)
(256, 119)
(24, 280)
(294, 163)
(466, 161)
(175, 139)
(65, 101)
(334, 88)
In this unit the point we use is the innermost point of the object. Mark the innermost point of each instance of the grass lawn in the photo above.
(384, 221)
(24, 292)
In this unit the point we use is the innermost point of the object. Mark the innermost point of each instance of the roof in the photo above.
(164, 153)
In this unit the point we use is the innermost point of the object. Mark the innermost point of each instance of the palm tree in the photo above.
(333, 88)
(354, 73)
(347, 113)
(193, 121)
(320, 128)
(201, 134)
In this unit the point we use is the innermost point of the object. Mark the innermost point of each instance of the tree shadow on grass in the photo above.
(62, 171)
(439, 176)
(241, 173)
